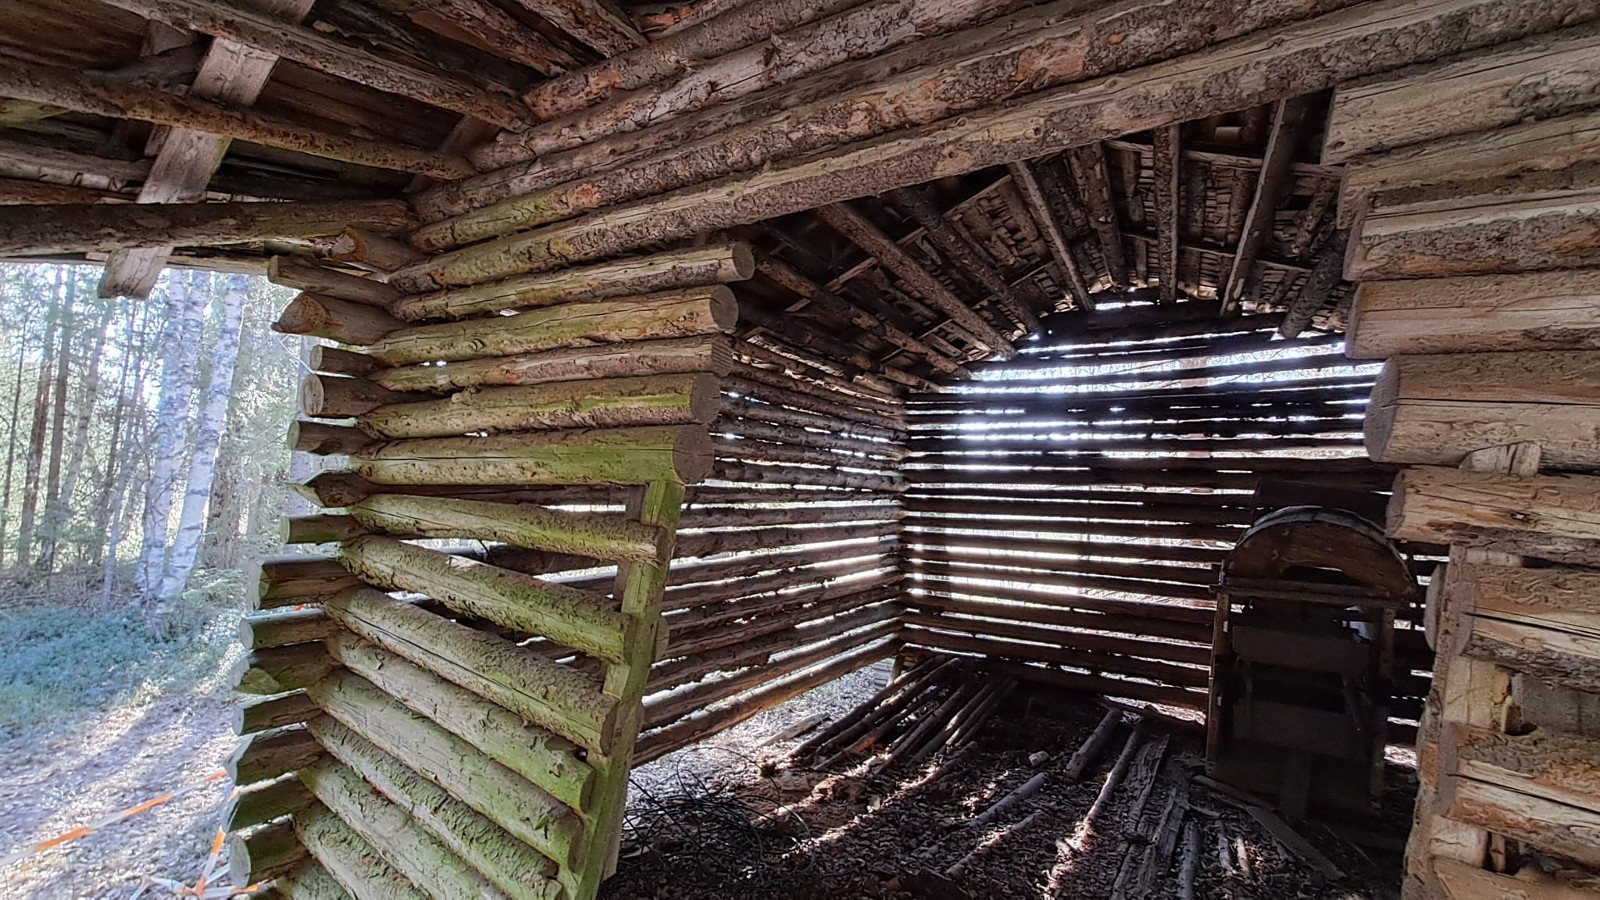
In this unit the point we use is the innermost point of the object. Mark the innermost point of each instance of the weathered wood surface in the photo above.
(498, 793)
(83, 93)
(1309, 55)
(1478, 236)
(1436, 408)
(682, 454)
(326, 397)
(602, 535)
(265, 854)
(372, 251)
(1537, 78)
(325, 439)
(304, 275)
(669, 270)
(78, 228)
(337, 320)
(579, 619)
(669, 356)
(350, 858)
(545, 759)
(1464, 882)
(1555, 828)
(1562, 769)
(1555, 517)
(276, 670)
(669, 314)
(288, 580)
(1489, 313)
(544, 692)
(503, 859)
(270, 754)
(592, 403)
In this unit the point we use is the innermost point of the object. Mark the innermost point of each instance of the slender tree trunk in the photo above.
(11, 446)
(88, 403)
(112, 485)
(202, 465)
(41, 422)
(188, 293)
(55, 506)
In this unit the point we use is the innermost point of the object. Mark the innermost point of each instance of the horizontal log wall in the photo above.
(1066, 509)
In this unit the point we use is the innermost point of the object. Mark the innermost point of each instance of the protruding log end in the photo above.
(316, 315)
(724, 307)
(741, 262)
(327, 440)
(693, 455)
(334, 489)
(320, 529)
(334, 397)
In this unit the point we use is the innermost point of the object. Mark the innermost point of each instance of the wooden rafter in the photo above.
(166, 69)
(960, 253)
(1315, 291)
(1093, 178)
(38, 230)
(597, 23)
(1033, 196)
(1169, 201)
(229, 73)
(487, 27)
(330, 55)
(841, 218)
(1270, 185)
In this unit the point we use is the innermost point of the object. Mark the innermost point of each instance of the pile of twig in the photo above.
(938, 704)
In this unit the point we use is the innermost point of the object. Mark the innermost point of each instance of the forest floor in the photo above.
(100, 712)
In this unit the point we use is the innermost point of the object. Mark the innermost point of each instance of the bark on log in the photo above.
(1554, 828)
(264, 854)
(336, 320)
(265, 802)
(324, 439)
(1435, 409)
(303, 275)
(661, 59)
(608, 536)
(1477, 236)
(274, 712)
(350, 858)
(281, 669)
(1488, 313)
(335, 361)
(1541, 77)
(306, 46)
(1555, 517)
(593, 403)
(1556, 656)
(1307, 55)
(103, 228)
(1465, 882)
(674, 356)
(551, 762)
(669, 270)
(84, 93)
(680, 454)
(1092, 747)
(670, 314)
(958, 250)
(271, 754)
(527, 683)
(503, 859)
(506, 798)
(1562, 768)
(503, 39)
(371, 250)
(320, 529)
(579, 619)
(390, 831)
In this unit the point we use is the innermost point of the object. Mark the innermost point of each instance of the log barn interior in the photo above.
(1233, 359)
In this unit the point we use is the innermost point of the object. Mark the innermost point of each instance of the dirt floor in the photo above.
(746, 828)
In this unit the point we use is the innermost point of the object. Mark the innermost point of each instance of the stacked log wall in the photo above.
(1068, 509)
(1472, 201)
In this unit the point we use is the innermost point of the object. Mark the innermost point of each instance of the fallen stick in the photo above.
(799, 728)
(954, 724)
(1191, 861)
(1096, 742)
(1159, 853)
(1112, 780)
(918, 673)
(907, 743)
(1024, 791)
(1294, 842)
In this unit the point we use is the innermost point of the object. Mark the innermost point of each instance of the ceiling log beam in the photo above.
(841, 218)
(1271, 183)
(1033, 197)
(1168, 156)
(84, 93)
(969, 260)
(1093, 178)
(596, 23)
(1315, 291)
(332, 56)
(79, 228)
(487, 27)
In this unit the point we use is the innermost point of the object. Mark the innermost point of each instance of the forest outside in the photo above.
(143, 472)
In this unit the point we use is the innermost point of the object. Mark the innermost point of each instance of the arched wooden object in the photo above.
(1303, 657)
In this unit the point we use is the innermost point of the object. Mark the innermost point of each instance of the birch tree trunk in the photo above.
(208, 436)
(11, 445)
(187, 296)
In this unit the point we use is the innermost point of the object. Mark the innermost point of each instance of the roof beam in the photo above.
(1093, 178)
(84, 93)
(100, 228)
(487, 27)
(1033, 197)
(335, 57)
(1318, 285)
(1168, 203)
(841, 218)
(167, 69)
(1270, 184)
(960, 252)
(594, 22)
(230, 73)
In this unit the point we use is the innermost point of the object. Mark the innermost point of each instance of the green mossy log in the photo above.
(670, 314)
(277, 670)
(598, 403)
(504, 860)
(281, 628)
(544, 758)
(674, 269)
(582, 620)
(264, 854)
(310, 881)
(271, 754)
(350, 859)
(547, 693)
(506, 798)
(671, 356)
(391, 831)
(678, 453)
(265, 802)
(607, 536)
(273, 712)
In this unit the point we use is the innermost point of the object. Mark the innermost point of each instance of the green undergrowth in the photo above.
(63, 664)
